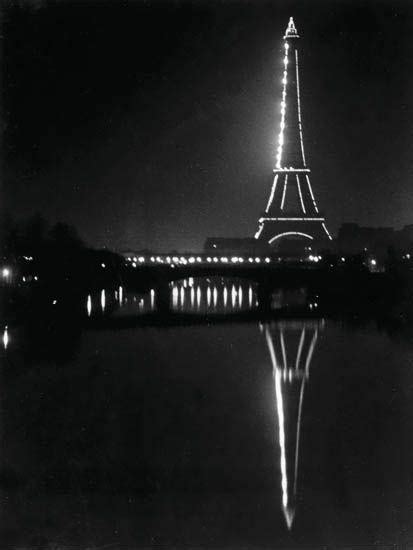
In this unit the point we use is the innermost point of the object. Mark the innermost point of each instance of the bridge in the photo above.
(266, 273)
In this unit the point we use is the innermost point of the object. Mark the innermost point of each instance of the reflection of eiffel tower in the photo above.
(291, 346)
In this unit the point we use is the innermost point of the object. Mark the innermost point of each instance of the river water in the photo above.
(294, 431)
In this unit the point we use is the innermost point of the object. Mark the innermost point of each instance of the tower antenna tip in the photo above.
(291, 30)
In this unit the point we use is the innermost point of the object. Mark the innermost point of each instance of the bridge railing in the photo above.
(247, 260)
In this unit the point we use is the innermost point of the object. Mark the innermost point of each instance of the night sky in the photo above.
(149, 124)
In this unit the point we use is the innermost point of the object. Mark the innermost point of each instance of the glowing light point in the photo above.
(5, 337)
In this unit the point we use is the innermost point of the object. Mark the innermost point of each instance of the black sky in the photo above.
(150, 124)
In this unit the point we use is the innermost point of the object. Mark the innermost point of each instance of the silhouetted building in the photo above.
(406, 235)
(354, 239)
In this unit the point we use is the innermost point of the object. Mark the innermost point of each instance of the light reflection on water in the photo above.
(5, 337)
(212, 296)
(275, 387)
(291, 346)
(185, 296)
(120, 302)
(103, 299)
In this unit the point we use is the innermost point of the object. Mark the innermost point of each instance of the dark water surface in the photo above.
(289, 433)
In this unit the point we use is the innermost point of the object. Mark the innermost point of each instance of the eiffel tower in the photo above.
(291, 345)
(291, 212)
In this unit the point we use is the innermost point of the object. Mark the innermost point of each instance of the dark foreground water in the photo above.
(285, 433)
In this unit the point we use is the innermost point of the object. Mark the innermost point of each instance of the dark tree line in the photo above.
(35, 237)
(55, 254)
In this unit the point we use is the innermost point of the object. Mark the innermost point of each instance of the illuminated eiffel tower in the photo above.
(291, 212)
(291, 346)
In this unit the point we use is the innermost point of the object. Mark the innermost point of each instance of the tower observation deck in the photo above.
(292, 212)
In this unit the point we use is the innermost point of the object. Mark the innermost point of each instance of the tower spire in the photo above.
(291, 31)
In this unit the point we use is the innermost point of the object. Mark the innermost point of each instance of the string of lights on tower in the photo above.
(291, 210)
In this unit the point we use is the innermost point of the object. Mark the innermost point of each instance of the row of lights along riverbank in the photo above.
(185, 260)
(178, 261)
